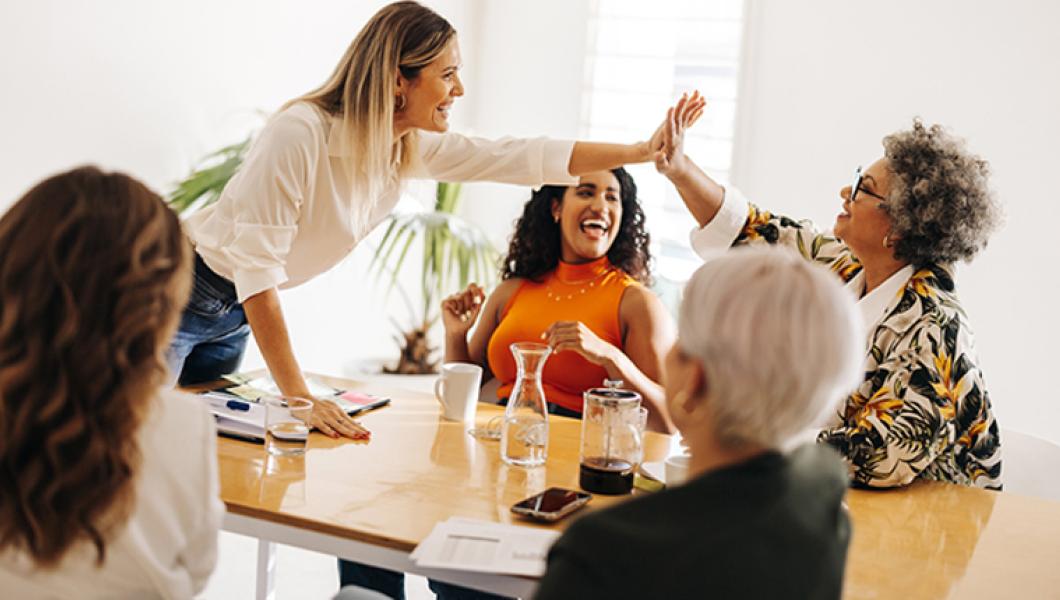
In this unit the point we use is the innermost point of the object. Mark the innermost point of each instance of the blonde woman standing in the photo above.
(328, 168)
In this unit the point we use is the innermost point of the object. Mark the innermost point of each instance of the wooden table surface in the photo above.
(925, 541)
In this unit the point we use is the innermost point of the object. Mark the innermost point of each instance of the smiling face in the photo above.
(862, 224)
(589, 217)
(429, 96)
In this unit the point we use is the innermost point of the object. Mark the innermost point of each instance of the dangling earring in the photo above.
(400, 104)
(555, 218)
(887, 241)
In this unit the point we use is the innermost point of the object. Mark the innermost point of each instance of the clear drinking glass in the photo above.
(524, 433)
(286, 424)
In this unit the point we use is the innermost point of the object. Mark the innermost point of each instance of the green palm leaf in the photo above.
(454, 251)
(206, 182)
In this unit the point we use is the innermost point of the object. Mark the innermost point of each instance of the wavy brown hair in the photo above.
(536, 245)
(94, 270)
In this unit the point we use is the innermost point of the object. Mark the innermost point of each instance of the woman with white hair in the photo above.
(922, 409)
(752, 521)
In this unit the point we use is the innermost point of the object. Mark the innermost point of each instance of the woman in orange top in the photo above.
(574, 278)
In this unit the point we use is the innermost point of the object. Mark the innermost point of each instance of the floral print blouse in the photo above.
(922, 411)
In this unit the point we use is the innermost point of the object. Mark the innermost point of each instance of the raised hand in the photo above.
(670, 157)
(460, 310)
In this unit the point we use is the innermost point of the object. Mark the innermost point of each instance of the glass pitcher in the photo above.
(612, 445)
(524, 433)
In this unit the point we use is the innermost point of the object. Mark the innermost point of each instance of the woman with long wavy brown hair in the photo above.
(108, 484)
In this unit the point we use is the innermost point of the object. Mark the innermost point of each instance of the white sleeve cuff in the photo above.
(717, 236)
(249, 282)
(555, 162)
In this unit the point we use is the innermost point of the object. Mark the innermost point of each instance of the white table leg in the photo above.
(266, 571)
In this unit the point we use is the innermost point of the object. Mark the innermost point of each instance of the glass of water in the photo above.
(286, 425)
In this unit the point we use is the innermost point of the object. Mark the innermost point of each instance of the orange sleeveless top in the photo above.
(590, 293)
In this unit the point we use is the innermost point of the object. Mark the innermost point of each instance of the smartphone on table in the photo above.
(552, 504)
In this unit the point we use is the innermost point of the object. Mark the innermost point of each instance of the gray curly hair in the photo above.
(940, 204)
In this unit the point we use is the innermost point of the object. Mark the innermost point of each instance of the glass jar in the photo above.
(612, 439)
(524, 433)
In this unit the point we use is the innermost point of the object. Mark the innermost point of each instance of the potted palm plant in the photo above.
(454, 251)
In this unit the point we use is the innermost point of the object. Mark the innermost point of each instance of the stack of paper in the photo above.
(486, 547)
(246, 422)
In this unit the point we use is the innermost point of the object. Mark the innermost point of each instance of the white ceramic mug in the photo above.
(457, 390)
(677, 469)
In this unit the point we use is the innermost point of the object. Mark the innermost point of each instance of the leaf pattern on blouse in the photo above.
(922, 410)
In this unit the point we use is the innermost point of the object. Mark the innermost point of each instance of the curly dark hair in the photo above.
(940, 204)
(535, 247)
(94, 270)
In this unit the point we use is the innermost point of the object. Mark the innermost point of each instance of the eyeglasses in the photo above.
(854, 189)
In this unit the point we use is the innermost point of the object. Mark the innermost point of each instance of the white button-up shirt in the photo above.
(168, 546)
(289, 215)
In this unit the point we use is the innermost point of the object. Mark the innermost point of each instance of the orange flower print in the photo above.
(946, 388)
(921, 285)
(755, 219)
(880, 406)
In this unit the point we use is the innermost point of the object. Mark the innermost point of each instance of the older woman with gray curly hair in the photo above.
(922, 410)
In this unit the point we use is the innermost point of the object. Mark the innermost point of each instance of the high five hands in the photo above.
(669, 154)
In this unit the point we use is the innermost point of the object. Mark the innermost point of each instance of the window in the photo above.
(641, 57)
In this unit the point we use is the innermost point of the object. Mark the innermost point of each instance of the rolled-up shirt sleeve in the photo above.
(717, 236)
(520, 161)
(269, 189)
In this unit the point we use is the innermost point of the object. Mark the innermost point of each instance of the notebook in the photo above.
(239, 413)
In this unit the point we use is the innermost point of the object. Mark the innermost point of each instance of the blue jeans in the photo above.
(213, 331)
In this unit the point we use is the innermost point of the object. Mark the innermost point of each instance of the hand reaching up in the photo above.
(460, 310)
(670, 157)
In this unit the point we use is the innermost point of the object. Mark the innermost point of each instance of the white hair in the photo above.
(779, 339)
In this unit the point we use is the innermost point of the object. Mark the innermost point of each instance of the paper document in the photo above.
(486, 547)
(247, 424)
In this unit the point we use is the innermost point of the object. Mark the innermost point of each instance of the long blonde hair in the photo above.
(94, 271)
(362, 93)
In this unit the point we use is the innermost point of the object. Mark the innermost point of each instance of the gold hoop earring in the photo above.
(400, 104)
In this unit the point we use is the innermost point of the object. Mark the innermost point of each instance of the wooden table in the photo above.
(938, 540)
(373, 502)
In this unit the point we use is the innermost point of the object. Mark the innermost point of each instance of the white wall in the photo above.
(149, 87)
(530, 72)
(827, 79)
